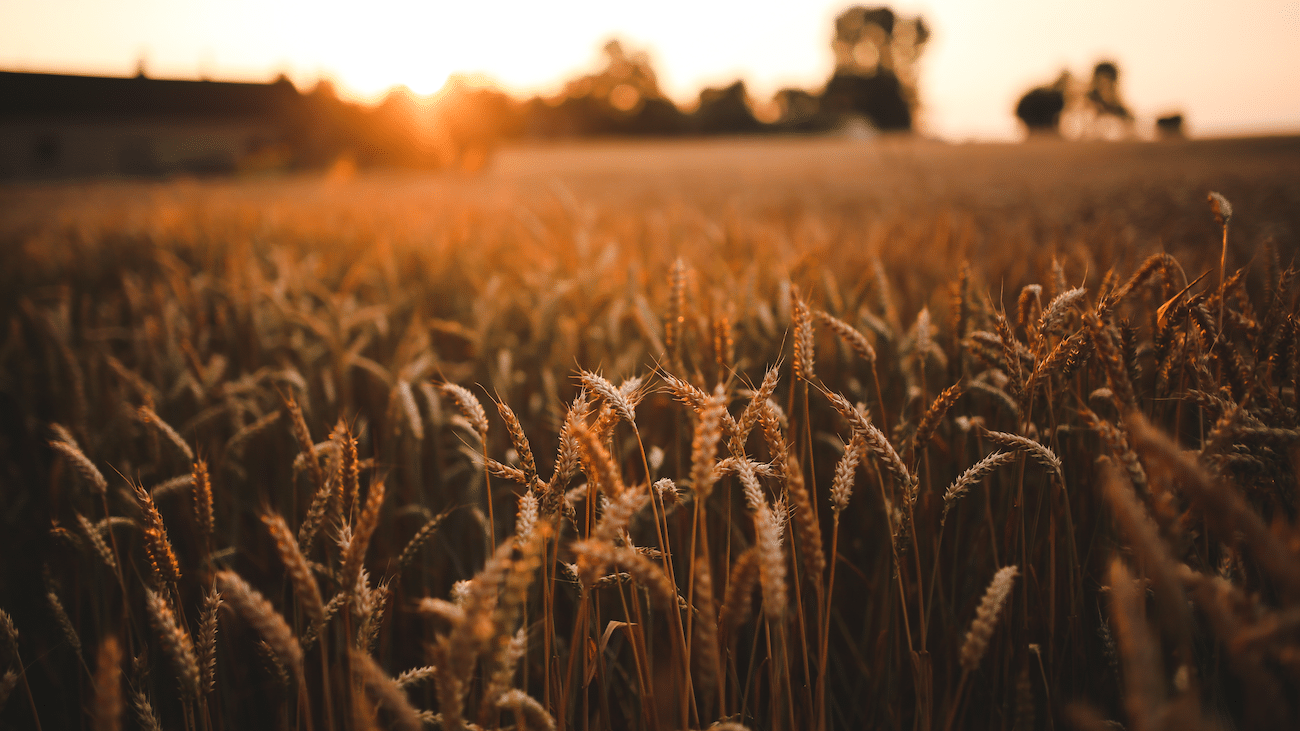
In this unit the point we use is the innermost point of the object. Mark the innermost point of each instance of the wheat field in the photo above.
(803, 434)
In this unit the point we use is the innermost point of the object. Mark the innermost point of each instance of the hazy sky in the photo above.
(1231, 67)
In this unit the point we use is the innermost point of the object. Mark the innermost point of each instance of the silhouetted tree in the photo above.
(1105, 114)
(1170, 127)
(797, 110)
(875, 67)
(725, 111)
(1040, 108)
(1091, 111)
(621, 98)
(1103, 93)
(879, 97)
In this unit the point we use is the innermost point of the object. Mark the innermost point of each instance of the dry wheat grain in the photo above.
(971, 477)
(166, 567)
(106, 713)
(249, 604)
(300, 575)
(175, 641)
(67, 445)
(387, 692)
(986, 618)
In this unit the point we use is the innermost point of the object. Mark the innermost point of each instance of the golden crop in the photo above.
(767, 435)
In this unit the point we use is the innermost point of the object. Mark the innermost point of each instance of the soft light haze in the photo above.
(1232, 68)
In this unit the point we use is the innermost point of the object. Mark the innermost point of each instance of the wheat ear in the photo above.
(304, 583)
(1143, 676)
(849, 334)
(421, 537)
(875, 440)
(262, 617)
(166, 568)
(736, 604)
(925, 429)
(807, 529)
(704, 446)
(845, 473)
(176, 642)
(303, 435)
(615, 397)
(151, 418)
(97, 542)
(602, 471)
(971, 477)
(387, 692)
(207, 649)
(469, 407)
(144, 712)
(106, 715)
(520, 443)
(771, 562)
(67, 445)
(203, 504)
(1039, 451)
(986, 618)
(350, 570)
(534, 715)
(804, 337)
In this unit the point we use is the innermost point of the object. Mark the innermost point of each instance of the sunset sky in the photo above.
(1232, 68)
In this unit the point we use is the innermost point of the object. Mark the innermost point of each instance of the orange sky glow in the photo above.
(1232, 68)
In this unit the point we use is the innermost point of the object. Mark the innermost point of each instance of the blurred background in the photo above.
(142, 87)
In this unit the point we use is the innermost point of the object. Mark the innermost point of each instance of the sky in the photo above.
(1230, 67)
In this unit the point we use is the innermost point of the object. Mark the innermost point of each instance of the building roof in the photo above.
(60, 96)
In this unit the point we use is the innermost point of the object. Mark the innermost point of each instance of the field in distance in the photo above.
(761, 433)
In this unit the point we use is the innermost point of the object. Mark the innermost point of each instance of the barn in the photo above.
(60, 126)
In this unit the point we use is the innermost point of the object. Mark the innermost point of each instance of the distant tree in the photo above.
(876, 53)
(1040, 108)
(1105, 114)
(725, 111)
(796, 110)
(1170, 127)
(880, 98)
(621, 98)
(1103, 93)
(1095, 110)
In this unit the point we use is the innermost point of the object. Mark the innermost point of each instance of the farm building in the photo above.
(56, 126)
